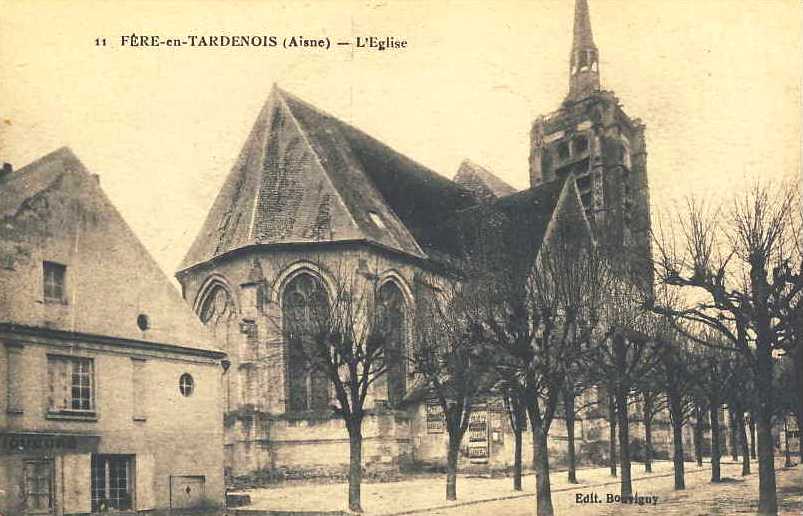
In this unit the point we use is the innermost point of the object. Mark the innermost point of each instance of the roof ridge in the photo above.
(363, 173)
(495, 184)
(60, 153)
(352, 127)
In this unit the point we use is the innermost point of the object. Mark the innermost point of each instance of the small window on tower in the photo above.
(584, 183)
(580, 144)
(586, 200)
(563, 150)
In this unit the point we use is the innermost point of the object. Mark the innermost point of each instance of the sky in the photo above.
(717, 83)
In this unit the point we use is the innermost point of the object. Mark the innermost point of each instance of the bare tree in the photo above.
(653, 403)
(714, 379)
(512, 394)
(574, 386)
(673, 368)
(743, 264)
(539, 324)
(675, 374)
(624, 353)
(339, 336)
(451, 357)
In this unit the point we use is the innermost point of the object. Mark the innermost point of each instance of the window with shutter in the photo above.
(14, 379)
(71, 389)
(38, 486)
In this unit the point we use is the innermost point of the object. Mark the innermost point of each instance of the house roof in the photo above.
(481, 181)
(305, 176)
(54, 210)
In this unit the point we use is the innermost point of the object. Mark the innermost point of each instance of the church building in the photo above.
(311, 196)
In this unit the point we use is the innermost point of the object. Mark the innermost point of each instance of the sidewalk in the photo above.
(427, 495)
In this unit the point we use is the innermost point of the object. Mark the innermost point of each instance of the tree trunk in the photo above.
(517, 460)
(620, 359)
(742, 440)
(543, 491)
(767, 495)
(612, 436)
(624, 443)
(752, 424)
(734, 433)
(568, 412)
(518, 416)
(699, 432)
(787, 454)
(798, 356)
(715, 437)
(648, 434)
(355, 464)
(451, 467)
(676, 416)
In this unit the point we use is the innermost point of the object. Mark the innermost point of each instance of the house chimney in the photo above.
(7, 170)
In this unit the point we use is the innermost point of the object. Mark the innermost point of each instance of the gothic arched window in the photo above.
(216, 306)
(304, 311)
(392, 327)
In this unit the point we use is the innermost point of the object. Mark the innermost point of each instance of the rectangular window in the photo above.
(112, 488)
(54, 274)
(39, 486)
(140, 389)
(71, 385)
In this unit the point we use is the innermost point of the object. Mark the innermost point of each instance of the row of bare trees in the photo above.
(538, 329)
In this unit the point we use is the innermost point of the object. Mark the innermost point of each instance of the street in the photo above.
(735, 495)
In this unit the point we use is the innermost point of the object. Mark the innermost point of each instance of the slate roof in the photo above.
(512, 228)
(305, 176)
(481, 181)
(54, 208)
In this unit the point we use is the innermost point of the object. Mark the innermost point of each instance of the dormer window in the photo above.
(53, 282)
(376, 219)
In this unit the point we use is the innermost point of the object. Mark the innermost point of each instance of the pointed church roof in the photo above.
(583, 36)
(481, 181)
(305, 176)
(54, 210)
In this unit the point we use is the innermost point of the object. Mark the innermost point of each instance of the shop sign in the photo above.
(46, 443)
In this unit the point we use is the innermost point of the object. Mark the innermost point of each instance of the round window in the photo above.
(186, 384)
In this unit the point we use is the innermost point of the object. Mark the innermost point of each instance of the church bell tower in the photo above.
(591, 138)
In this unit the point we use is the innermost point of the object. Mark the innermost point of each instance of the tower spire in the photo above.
(584, 60)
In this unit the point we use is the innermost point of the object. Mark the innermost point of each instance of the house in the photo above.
(110, 386)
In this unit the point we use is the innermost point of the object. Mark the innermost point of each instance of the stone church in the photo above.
(310, 195)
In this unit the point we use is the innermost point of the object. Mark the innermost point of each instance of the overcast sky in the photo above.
(717, 83)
